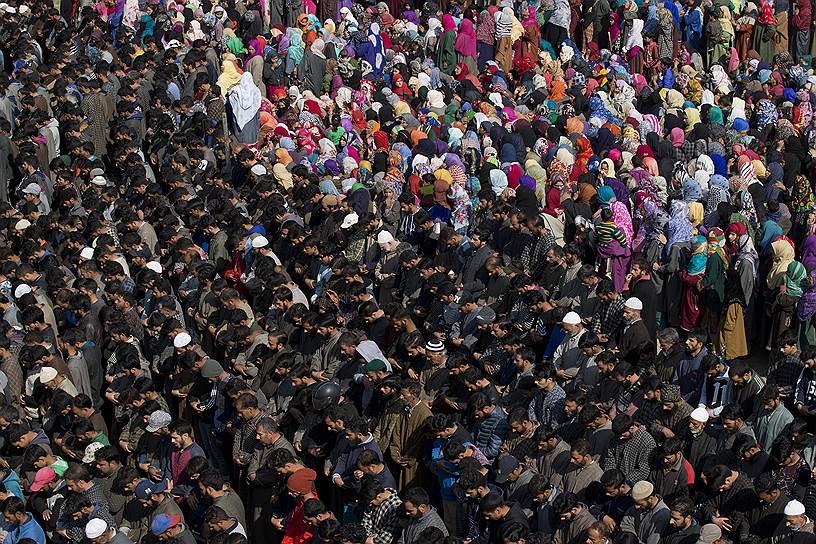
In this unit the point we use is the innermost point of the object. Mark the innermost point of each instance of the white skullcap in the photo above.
(22, 224)
(99, 181)
(22, 289)
(259, 241)
(384, 237)
(95, 528)
(794, 508)
(633, 303)
(47, 373)
(155, 267)
(700, 414)
(87, 253)
(258, 170)
(571, 318)
(182, 339)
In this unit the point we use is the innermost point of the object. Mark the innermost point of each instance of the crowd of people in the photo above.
(453, 272)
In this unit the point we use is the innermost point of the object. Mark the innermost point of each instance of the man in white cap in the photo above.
(260, 244)
(634, 336)
(649, 517)
(98, 532)
(698, 441)
(568, 357)
(388, 264)
(796, 521)
(53, 379)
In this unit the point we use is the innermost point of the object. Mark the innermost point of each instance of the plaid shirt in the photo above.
(609, 318)
(784, 371)
(382, 521)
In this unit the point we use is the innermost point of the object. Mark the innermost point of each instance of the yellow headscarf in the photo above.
(230, 76)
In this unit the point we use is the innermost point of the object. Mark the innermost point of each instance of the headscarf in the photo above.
(783, 255)
(245, 100)
(795, 279)
(699, 258)
(466, 39)
(679, 229)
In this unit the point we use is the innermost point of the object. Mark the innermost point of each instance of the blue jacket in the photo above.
(30, 529)
(489, 433)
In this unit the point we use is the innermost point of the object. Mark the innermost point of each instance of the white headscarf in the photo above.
(245, 99)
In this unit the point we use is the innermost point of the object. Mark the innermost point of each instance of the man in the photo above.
(642, 287)
(184, 449)
(491, 425)
(673, 417)
(698, 441)
(421, 515)
(688, 374)
(20, 524)
(745, 388)
(732, 498)
(381, 509)
(683, 528)
(733, 423)
(97, 531)
(674, 476)
(108, 466)
(805, 390)
(649, 517)
(406, 449)
(547, 406)
(715, 391)
(575, 520)
(499, 513)
(213, 485)
(773, 418)
(514, 479)
(796, 522)
(769, 514)
(584, 469)
(631, 450)
(634, 336)
(671, 353)
(568, 356)
(171, 528)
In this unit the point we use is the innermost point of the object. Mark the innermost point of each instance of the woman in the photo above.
(714, 281)
(466, 45)
(618, 254)
(245, 105)
(725, 41)
(446, 49)
(312, 68)
(485, 38)
(504, 39)
(783, 255)
(787, 298)
(691, 278)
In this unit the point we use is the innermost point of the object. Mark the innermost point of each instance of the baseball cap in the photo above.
(95, 528)
(32, 189)
(158, 420)
(145, 488)
(162, 522)
(505, 466)
(44, 476)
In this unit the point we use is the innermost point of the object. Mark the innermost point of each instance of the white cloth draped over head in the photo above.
(245, 100)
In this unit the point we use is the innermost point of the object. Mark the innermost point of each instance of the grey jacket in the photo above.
(411, 532)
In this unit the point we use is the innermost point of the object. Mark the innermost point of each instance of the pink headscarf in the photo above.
(466, 40)
(448, 23)
(677, 136)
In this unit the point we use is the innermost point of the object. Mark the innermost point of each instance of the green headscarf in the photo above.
(795, 279)
(715, 115)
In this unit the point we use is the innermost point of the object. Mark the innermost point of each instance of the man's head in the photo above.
(643, 495)
(416, 502)
(581, 453)
(181, 434)
(795, 517)
(682, 513)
